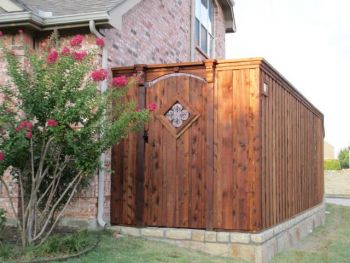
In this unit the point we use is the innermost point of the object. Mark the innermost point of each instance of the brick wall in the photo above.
(219, 33)
(15, 41)
(157, 31)
(154, 31)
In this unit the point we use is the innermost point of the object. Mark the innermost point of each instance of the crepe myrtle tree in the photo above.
(54, 124)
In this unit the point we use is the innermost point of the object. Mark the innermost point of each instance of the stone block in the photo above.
(210, 236)
(271, 249)
(282, 242)
(223, 237)
(246, 252)
(263, 236)
(152, 232)
(198, 235)
(217, 249)
(182, 234)
(240, 238)
(130, 231)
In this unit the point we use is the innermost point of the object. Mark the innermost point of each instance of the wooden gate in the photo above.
(175, 154)
(162, 175)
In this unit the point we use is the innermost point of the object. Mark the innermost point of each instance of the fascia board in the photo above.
(42, 23)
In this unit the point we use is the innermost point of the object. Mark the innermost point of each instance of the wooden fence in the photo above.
(249, 155)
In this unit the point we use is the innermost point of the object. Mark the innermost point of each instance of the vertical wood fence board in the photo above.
(248, 162)
(292, 157)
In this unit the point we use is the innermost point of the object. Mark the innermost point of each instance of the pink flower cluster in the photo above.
(79, 55)
(99, 75)
(152, 107)
(52, 123)
(2, 156)
(1, 34)
(26, 125)
(52, 57)
(76, 41)
(120, 81)
(100, 42)
(65, 51)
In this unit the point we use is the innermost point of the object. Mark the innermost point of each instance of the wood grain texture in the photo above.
(248, 162)
(292, 153)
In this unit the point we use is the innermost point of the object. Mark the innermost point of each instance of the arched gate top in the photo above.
(172, 75)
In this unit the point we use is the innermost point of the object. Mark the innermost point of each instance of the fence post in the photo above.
(210, 65)
(140, 151)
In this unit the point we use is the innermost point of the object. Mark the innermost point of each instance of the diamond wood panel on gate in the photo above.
(233, 146)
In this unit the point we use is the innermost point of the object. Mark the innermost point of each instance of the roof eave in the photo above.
(42, 24)
(230, 23)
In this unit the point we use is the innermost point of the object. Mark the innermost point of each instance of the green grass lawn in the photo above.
(329, 243)
(134, 250)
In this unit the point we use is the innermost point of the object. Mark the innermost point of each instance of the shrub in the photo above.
(65, 244)
(343, 158)
(332, 165)
(54, 125)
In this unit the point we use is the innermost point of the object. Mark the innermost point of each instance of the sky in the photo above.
(309, 43)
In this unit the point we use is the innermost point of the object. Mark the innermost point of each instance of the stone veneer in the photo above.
(255, 247)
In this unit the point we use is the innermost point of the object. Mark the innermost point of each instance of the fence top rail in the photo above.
(155, 70)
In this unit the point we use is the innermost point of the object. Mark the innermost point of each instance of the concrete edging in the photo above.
(256, 247)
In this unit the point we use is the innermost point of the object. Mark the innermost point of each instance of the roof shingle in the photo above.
(68, 7)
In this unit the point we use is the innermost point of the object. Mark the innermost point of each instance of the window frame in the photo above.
(204, 21)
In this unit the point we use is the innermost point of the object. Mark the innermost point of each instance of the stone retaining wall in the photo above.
(337, 183)
(255, 247)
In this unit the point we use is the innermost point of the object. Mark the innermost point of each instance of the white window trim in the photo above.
(194, 45)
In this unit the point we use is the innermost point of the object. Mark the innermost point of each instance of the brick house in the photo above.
(135, 32)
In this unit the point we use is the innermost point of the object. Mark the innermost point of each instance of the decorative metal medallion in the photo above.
(177, 115)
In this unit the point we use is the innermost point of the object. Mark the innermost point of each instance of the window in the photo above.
(204, 26)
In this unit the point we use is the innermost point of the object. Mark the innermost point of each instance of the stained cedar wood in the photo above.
(117, 184)
(263, 152)
(226, 217)
(182, 190)
(198, 156)
(140, 165)
(242, 153)
(237, 197)
(285, 136)
(182, 162)
(255, 158)
(129, 187)
(209, 101)
(123, 179)
(299, 184)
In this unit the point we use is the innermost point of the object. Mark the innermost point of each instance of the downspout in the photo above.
(101, 172)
